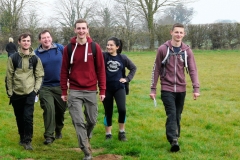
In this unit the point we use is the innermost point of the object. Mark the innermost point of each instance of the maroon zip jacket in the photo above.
(84, 74)
(174, 78)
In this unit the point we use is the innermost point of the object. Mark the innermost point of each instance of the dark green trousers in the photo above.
(53, 110)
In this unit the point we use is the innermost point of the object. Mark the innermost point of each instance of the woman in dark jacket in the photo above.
(116, 88)
(11, 47)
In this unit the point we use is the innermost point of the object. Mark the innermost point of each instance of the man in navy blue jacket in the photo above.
(50, 93)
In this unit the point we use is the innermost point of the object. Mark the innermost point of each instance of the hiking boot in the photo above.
(27, 146)
(58, 135)
(121, 136)
(87, 157)
(175, 146)
(48, 141)
(108, 136)
(87, 154)
(21, 143)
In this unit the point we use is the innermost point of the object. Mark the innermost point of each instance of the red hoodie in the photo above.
(174, 79)
(83, 75)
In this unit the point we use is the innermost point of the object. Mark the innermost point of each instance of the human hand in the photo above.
(101, 97)
(195, 95)
(64, 98)
(123, 80)
(152, 96)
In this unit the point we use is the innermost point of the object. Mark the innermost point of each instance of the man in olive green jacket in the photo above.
(23, 82)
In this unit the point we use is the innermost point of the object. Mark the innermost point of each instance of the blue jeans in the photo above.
(173, 103)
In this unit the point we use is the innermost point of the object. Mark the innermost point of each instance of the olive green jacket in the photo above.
(24, 80)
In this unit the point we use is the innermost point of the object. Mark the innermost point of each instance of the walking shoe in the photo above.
(121, 136)
(28, 146)
(58, 135)
(87, 154)
(108, 136)
(48, 141)
(175, 146)
(87, 157)
(21, 143)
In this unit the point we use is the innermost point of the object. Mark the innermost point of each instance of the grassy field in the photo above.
(210, 125)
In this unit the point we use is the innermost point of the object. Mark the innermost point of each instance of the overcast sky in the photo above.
(207, 11)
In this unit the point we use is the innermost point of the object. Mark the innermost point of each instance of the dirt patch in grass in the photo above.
(93, 150)
(108, 157)
(102, 157)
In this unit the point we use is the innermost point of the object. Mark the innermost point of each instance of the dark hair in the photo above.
(118, 43)
(80, 21)
(23, 35)
(177, 25)
(44, 31)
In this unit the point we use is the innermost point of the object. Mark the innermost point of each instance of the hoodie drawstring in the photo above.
(71, 62)
(85, 56)
(86, 52)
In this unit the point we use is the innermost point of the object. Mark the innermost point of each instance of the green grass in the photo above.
(210, 125)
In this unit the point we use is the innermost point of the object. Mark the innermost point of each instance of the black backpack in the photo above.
(17, 63)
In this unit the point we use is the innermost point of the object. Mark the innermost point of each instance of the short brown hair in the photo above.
(23, 35)
(177, 25)
(80, 21)
(44, 31)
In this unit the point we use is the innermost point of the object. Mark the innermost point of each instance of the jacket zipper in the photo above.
(175, 71)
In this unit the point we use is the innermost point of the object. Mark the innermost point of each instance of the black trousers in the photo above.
(173, 103)
(23, 106)
(120, 98)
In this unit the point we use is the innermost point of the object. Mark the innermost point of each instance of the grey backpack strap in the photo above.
(166, 57)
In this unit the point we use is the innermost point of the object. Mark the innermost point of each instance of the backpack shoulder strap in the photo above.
(93, 47)
(16, 60)
(94, 51)
(167, 55)
(69, 50)
(34, 60)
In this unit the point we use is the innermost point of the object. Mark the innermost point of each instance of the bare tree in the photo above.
(148, 8)
(11, 15)
(177, 14)
(68, 11)
(127, 18)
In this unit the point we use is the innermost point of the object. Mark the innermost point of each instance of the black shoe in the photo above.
(58, 135)
(108, 136)
(48, 141)
(175, 146)
(28, 146)
(21, 143)
(121, 136)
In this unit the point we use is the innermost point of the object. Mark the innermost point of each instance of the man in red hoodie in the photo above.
(171, 59)
(81, 73)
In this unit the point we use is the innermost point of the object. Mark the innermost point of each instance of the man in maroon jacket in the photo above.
(171, 59)
(82, 72)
